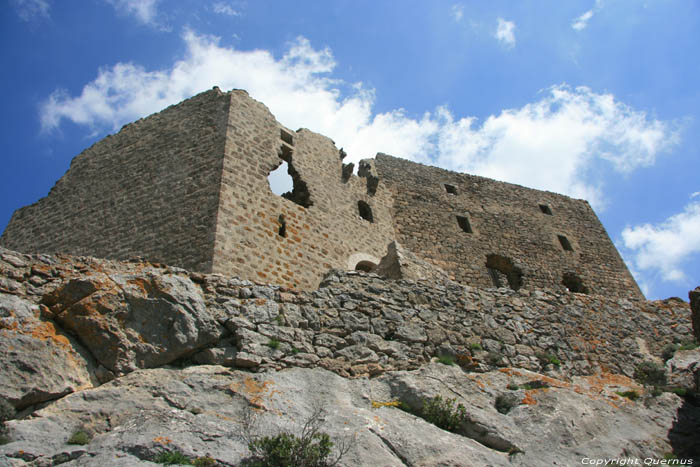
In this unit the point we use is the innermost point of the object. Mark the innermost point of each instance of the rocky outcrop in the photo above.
(147, 358)
(204, 411)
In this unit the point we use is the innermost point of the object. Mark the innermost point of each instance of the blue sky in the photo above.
(593, 99)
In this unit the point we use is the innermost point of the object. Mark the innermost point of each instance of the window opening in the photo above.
(502, 270)
(545, 209)
(280, 181)
(287, 137)
(464, 224)
(299, 192)
(574, 283)
(282, 232)
(451, 189)
(365, 266)
(565, 244)
(365, 211)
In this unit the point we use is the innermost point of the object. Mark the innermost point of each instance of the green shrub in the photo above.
(546, 358)
(495, 358)
(631, 395)
(205, 461)
(650, 374)
(512, 386)
(288, 450)
(446, 359)
(688, 345)
(7, 412)
(535, 384)
(441, 413)
(475, 346)
(668, 351)
(172, 458)
(505, 403)
(79, 437)
(295, 351)
(273, 343)
(680, 391)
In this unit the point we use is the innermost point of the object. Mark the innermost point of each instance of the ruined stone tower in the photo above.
(188, 187)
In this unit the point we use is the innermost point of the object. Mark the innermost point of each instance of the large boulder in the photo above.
(135, 321)
(38, 361)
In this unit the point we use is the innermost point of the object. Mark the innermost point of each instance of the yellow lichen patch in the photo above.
(47, 331)
(377, 404)
(162, 440)
(254, 391)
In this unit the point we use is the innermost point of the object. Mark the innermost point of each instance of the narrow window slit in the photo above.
(565, 244)
(464, 224)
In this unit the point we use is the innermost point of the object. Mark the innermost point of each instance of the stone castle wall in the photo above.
(327, 233)
(188, 187)
(507, 235)
(151, 190)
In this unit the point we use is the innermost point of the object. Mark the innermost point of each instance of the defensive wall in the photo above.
(189, 187)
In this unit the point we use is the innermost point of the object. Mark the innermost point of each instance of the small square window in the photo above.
(545, 209)
(565, 244)
(451, 189)
(287, 138)
(464, 224)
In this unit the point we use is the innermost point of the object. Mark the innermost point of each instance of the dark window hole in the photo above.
(287, 137)
(451, 189)
(282, 232)
(545, 209)
(365, 266)
(502, 270)
(464, 224)
(574, 283)
(365, 211)
(565, 244)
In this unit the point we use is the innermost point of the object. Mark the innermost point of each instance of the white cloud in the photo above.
(144, 10)
(555, 143)
(581, 22)
(29, 10)
(457, 11)
(665, 247)
(222, 8)
(505, 32)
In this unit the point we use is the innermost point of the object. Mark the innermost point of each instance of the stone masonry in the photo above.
(188, 187)
(487, 233)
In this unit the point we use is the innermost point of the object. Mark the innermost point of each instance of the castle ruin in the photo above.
(188, 187)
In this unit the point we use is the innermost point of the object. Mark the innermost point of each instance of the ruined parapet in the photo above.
(400, 263)
(487, 233)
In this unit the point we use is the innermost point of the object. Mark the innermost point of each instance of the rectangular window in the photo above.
(451, 189)
(565, 244)
(287, 138)
(545, 209)
(464, 224)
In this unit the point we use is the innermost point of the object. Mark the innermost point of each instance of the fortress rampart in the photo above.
(188, 187)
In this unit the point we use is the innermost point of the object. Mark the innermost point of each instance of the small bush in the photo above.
(535, 384)
(205, 461)
(546, 358)
(680, 391)
(495, 358)
(475, 346)
(631, 395)
(295, 351)
(446, 359)
(505, 403)
(512, 386)
(656, 392)
(442, 413)
(172, 458)
(7, 412)
(668, 351)
(650, 374)
(273, 344)
(688, 345)
(79, 437)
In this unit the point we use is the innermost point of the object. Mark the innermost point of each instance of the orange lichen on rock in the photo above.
(528, 399)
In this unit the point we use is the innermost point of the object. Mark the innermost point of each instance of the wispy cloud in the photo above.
(581, 22)
(664, 249)
(505, 32)
(222, 8)
(145, 11)
(30, 10)
(457, 12)
(554, 143)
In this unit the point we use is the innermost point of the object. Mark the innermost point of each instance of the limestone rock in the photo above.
(212, 410)
(38, 361)
(136, 321)
(683, 367)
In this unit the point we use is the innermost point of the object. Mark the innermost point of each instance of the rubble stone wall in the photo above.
(522, 228)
